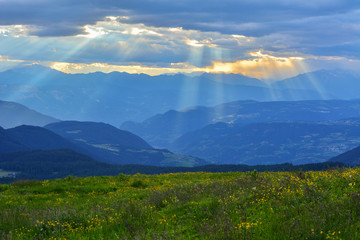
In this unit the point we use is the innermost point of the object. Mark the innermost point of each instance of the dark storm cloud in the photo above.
(251, 18)
(248, 17)
(54, 18)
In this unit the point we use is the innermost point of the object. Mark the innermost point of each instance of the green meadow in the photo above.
(237, 205)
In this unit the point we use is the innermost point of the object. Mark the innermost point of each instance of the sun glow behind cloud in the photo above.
(7, 63)
(7, 59)
(74, 68)
(261, 66)
(93, 32)
(197, 43)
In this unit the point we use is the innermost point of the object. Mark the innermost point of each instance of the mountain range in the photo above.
(117, 97)
(90, 148)
(271, 142)
(112, 145)
(119, 148)
(242, 132)
(335, 84)
(185, 114)
(162, 129)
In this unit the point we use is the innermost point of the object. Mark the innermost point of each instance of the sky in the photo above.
(265, 39)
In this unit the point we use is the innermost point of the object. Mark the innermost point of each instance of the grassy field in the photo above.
(269, 205)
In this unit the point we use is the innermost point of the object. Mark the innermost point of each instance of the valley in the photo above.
(270, 143)
(243, 132)
(273, 136)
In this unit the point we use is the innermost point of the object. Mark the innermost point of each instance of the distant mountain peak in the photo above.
(33, 69)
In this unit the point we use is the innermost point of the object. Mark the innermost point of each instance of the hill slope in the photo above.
(49, 164)
(109, 144)
(96, 133)
(14, 114)
(100, 141)
(39, 138)
(162, 129)
(270, 143)
(8, 144)
(330, 84)
(351, 157)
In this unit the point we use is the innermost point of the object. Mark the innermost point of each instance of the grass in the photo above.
(269, 205)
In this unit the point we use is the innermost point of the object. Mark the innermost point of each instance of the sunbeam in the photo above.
(217, 53)
(189, 90)
(314, 81)
(32, 85)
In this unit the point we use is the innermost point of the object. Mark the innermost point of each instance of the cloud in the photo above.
(14, 30)
(133, 69)
(261, 66)
(67, 17)
(215, 35)
(309, 25)
(7, 59)
(8, 63)
(117, 42)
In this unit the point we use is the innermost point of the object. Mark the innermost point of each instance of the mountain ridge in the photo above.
(103, 148)
(162, 129)
(117, 97)
(270, 142)
(15, 114)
